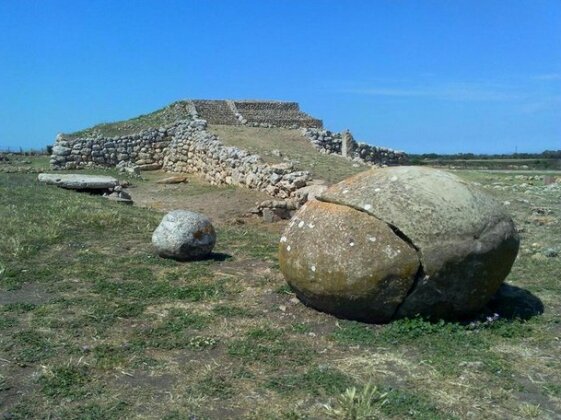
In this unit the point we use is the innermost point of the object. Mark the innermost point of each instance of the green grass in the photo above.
(408, 404)
(94, 325)
(270, 346)
(25, 164)
(446, 346)
(215, 386)
(31, 346)
(65, 381)
(230, 311)
(156, 119)
(318, 380)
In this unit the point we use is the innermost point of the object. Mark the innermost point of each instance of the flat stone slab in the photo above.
(150, 167)
(79, 182)
(178, 179)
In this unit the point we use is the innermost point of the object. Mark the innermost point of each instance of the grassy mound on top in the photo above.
(159, 118)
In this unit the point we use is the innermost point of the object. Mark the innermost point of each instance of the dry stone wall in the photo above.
(195, 150)
(185, 146)
(265, 114)
(332, 143)
(273, 114)
(214, 111)
(146, 147)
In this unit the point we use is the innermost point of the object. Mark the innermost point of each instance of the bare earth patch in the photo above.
(220, 204)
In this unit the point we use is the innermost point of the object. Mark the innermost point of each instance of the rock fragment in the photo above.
(184, 235)
(79, 181)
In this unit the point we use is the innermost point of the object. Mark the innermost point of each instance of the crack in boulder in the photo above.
(420, 275)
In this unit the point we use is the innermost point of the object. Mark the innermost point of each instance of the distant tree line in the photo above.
(47, 150)
(547, 154)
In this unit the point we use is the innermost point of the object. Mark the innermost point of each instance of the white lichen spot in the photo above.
(283, 239)
(345, 191)
(393, 178)
(391, 253)
(351, 243)
(372, 239)
(313, 267)
(311, 225)
(288, 248)
(377, 190)
(367, 207)
(301, 224)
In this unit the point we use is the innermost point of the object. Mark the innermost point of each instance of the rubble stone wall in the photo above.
(331, 143)
(146, 147)
(274, 114)
(185, 146)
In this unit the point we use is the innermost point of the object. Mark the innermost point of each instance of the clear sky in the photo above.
(480, 76)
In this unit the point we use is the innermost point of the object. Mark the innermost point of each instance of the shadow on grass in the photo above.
(213, 256)
(511, 302)
(218, 256)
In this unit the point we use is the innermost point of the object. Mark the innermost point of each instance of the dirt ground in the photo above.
(223, 205)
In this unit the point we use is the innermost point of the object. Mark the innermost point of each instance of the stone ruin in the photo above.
(345, 145)
(176, 139)
(265, 114)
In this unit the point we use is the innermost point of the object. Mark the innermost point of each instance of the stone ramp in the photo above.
(276, 113)
(280, 145)
(215, 111)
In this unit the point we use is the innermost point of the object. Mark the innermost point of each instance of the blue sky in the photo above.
(444, 76)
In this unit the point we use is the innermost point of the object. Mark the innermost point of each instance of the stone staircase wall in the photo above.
(253, 113)
(275, 114)
(215, 111)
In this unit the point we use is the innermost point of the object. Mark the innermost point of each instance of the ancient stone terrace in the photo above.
(215, 111)
(276, 113)
(253, 113)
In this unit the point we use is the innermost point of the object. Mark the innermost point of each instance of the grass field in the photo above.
(94, 325)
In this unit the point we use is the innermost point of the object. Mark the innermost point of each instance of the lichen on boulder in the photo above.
(442, 247)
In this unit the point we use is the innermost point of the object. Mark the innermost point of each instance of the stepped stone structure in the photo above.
(176, 139)
(215, 112)
(253, 113)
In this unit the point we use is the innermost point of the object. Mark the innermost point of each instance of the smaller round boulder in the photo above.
(184, 235)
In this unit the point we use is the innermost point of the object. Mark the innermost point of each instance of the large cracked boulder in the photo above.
(184, 235)
(399, 242)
